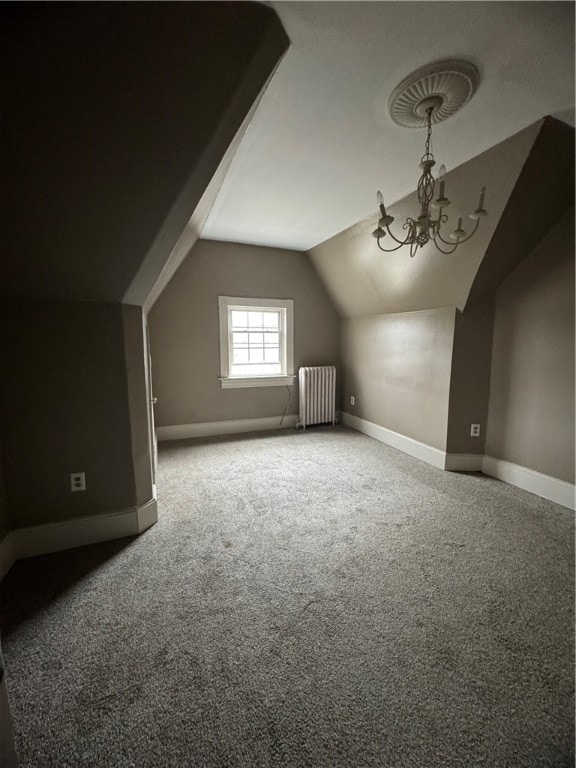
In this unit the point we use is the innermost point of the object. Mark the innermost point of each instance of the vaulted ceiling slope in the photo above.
(114, 119)
(542, 194)
(365, 281)
(322, 142)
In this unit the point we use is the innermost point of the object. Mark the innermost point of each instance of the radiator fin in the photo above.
(317, 394)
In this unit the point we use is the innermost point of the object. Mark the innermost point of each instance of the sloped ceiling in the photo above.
(109, 110)
(542, 194)
(322, 143)
(363, 280)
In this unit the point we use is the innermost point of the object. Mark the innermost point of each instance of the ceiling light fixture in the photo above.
(428, 96)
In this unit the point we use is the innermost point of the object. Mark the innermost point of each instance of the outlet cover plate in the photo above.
(77, 481)
(474, 430)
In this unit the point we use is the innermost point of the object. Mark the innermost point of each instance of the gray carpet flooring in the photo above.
(313, 599)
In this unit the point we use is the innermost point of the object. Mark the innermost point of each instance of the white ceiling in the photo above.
(321, 141)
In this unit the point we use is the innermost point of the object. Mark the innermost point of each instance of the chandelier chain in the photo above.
(429, 134)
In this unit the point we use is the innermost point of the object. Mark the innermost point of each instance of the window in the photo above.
(256, 342)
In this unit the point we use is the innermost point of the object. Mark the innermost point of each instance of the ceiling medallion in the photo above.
(450, 84)
(428, 96)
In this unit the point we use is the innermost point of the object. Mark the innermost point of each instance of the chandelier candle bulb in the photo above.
(442, 201)
(481, 200)
(458, 232)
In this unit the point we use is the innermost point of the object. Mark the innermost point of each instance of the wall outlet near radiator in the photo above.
(352, 400)
(474, 430)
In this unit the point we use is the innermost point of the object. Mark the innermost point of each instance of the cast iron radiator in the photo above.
(317, 395)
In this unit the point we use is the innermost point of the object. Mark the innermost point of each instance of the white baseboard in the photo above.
(546, 486)
(230, 427)
(147, 515)
(558, 491)
(408, 445)
(76, 532)
(463, 462)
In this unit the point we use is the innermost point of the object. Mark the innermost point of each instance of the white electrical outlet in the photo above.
(352, 400)
(78, 481)
(474, 430)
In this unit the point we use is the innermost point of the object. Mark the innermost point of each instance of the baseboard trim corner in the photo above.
(418, 450)
(76, 532)
(229, 427)
(558, 491)
(463, 462)
(147, 515)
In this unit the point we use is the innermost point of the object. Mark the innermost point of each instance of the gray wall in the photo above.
(127, 148)
(397, 367)
(64, 408)
(470, 380)
(525, 221)
(184, 330)
(531, 414)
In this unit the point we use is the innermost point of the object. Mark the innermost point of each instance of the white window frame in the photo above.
(225, 305)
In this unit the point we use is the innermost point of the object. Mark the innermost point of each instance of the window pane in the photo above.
(240, 355)
(239, 319)
(256, 355)
(271, 355)
(271, 339)
(271, 319)
(256, 339)
(239, 339)
(255, 319)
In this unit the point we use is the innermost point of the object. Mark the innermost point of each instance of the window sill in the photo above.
(236, 382)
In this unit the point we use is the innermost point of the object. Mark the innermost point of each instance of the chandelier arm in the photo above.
(447, 242)
(401, 242)
(441, 219)
(389, 250)
(471, 233)
(446, 253)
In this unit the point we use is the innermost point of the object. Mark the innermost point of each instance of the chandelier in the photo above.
(430, 95)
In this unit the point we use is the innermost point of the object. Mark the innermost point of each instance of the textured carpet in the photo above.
(313, 599)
